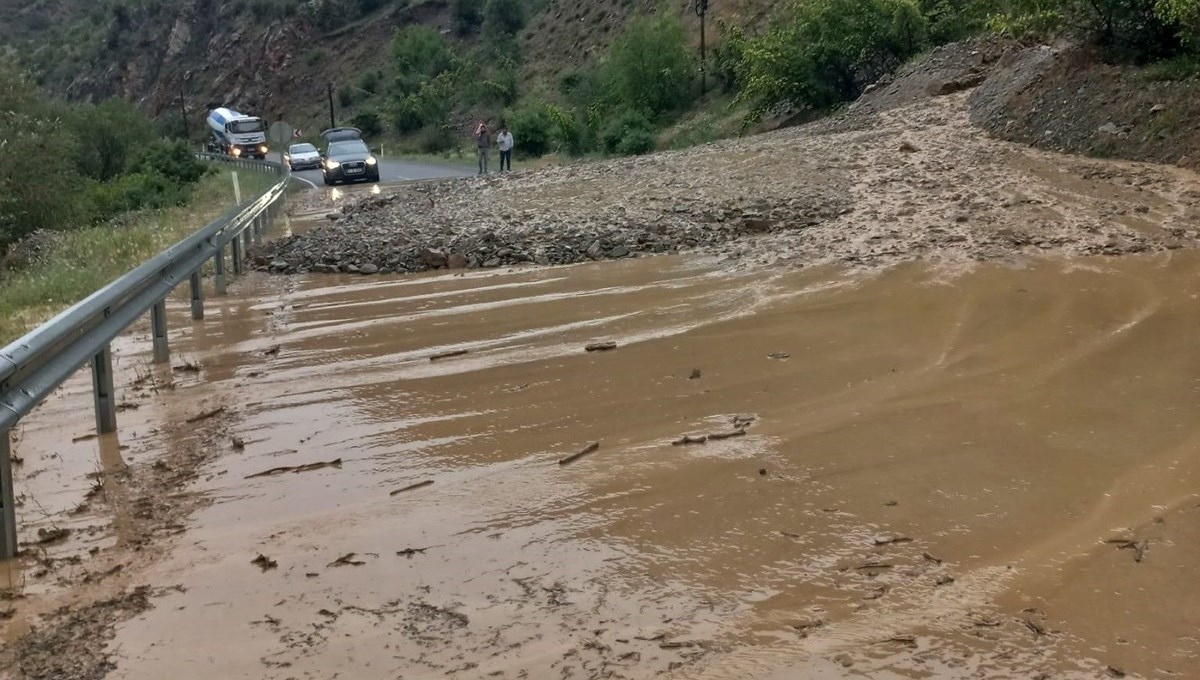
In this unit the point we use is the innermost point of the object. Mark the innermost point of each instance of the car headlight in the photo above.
(331, 164)
(237, 151)
(262, 148)
(371, 161)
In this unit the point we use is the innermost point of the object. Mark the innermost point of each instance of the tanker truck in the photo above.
(237, 134)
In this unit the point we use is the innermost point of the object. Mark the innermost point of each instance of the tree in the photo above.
(419, 54)
(503, 18)
(108, 135)
(651, 66)
(468, 14)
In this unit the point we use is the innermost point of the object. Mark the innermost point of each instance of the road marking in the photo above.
(309, 183)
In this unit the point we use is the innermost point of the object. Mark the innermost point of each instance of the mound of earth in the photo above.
(1066, 99)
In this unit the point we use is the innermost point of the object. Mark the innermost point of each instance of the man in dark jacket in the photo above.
(483, 139)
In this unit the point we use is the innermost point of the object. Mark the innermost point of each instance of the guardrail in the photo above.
(34, 366)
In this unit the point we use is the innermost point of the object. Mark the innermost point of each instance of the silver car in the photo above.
(303, 157)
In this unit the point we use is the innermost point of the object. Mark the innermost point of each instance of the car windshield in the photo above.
(347, 148)
(241, 127)
(302, 148)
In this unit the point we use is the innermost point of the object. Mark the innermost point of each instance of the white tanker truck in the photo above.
(237, 134)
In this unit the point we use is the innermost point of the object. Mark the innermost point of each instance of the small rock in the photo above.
(279, 265)
(334, 216)
(491, 262)
(1109, 129)
(618, 252)
(435, 259)
(1158, 108)
(908, 147)
(368, 269)
(456, 261)
(593, 251)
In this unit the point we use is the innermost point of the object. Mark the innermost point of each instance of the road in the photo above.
(395, 171)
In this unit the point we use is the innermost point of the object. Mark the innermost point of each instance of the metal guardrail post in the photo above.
(197, 296)
(102, 387)
(247, 236)
(258, 230)
(158, 322)
(219, 265)
(236, 245)
(8, 502)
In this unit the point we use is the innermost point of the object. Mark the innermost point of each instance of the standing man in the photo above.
(504, 142)
(484, 140)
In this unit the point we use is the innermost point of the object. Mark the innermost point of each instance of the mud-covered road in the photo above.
(928, 475)
(959, 440)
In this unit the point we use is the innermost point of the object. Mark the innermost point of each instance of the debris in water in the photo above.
(47, 536)
(681, 644)
(762, 472)
(930, 558)
(307, 467)
(412, 487)
(891, 504)
(907, 640)
(1038, 629)
(689, 439)
(206, 415)
(1115, 672)
(876, 593)
(695, 374)
(779, 355)
(576, 456)
(907, 147)
(346, 560)
(409, 552)
(1138, 547)
(874, 566)
(448, 355)
(187, 367)
(726, 435)
(600, 346)
(263, 562)
(239, 444)
(743, 422)
(894, 539)
(271, 351)
(84, 438)
(944, 580)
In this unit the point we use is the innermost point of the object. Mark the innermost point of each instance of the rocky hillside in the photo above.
(271, 56)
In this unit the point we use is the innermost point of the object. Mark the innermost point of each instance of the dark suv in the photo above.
(347, 158)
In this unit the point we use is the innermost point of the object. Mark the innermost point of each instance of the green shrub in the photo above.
(636, 143)
(435, 139)
(532, 127)
(651, 66)
(108, 135)
(370, 81)
(172, 160)
(631, 124)
(467, 14)
(369, 122)
(346, 96)
(822, 52)
(503, 17)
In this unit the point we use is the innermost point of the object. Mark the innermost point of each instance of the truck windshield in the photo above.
(242, 127)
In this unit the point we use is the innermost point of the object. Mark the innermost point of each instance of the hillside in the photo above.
(270, 56)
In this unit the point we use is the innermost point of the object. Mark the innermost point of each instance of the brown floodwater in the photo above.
(933, 464)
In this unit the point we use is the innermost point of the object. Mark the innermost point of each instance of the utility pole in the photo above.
(332, 120)
(187, 133)
(701, 8)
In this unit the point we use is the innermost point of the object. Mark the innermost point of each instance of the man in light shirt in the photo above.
(504, 141)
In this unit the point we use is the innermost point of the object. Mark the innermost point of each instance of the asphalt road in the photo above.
(394, 171)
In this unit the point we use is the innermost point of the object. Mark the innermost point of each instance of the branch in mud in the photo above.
(412, 487)
(307, 467)
(576, 456)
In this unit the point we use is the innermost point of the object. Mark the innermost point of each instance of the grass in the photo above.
(80, 262)
(1178, 69)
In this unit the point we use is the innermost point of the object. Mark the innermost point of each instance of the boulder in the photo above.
(456, 261)
(434, 259)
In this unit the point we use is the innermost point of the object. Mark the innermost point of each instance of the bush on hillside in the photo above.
(369, 122)
(503, 18)
(419, 54)
(171, 160)
(467, 14)
(629, 130)
(532, 127)
(651, 66)
(108, 135)
(826, 51)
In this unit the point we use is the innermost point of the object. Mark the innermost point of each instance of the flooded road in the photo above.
(989, 472)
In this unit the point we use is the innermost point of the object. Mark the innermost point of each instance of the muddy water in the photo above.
(934, 464)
